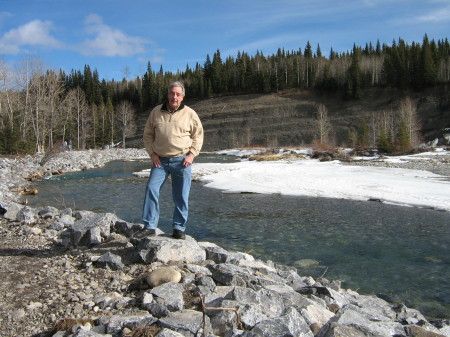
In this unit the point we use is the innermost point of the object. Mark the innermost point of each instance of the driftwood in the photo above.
(34, 176)
(204, 308)
(30, 190)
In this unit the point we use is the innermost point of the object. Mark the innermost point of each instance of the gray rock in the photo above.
(229, 274)
(78, 215)
(228, 318)
(10, 210)
(66, 212)
(89, 333)
(91, 237)
(373, 308)
(127, 228)
(342, 331)
(408, 315)
(356, 319)
(168, 333)
(272, 303)
(418, 331)
(197, 269)
(289, 324)
(215, 299)
(170, 294)
(110, 261)
(57, 226)
(90, 230)
(316, 314)
(116, 323)
(67, 220)
(165, 250)
(251, 314)
(220, 255)
(189, 323)
(157, 309)
(27, 215)
(206, 284)
(49, 212)
(108, 300)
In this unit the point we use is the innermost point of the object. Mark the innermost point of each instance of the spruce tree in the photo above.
(353, 86)
(427, 64)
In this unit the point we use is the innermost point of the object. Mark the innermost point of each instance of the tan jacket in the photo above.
(172, 135)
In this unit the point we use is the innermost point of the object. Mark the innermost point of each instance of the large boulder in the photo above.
(89, 230)
(166, 249)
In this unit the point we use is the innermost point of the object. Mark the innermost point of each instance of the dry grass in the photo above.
(68, 323)
(144, 331)
(276, 157)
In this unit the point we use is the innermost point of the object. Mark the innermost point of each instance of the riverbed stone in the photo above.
(341, 331)
(221, 255)
(166, 249)
(91, 229)
(417, 331)
(87, 333)
(187, 322)
(356, 319)
(127, 228)
(288, 324)
(108, 299)
(49, 212)
(170, 295)
(110, 261)
(229, 274)
(163, 275)
(27, 215)
(116, 323)
(10, 210)
(67, 220)
(316, 314)
(169, 333)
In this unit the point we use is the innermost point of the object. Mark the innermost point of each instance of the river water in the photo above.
(401, 253)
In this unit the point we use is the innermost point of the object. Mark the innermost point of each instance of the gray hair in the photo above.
(177, 84)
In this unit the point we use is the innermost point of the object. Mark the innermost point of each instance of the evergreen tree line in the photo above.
(43, 109)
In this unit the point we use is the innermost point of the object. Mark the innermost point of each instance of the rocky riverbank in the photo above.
(78, 273)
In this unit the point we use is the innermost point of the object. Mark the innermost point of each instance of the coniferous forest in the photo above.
(42, 109)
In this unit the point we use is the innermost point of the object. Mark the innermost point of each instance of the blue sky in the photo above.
(114, 35)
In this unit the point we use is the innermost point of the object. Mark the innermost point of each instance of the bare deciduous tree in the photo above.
(409, 116)
(79, 108)
(6, 94)
(323, 123)
(126, 119)
(54, 87)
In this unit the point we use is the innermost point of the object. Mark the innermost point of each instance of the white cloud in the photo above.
(439, 15)
(108, 41)
(4, 15)
(34, 33)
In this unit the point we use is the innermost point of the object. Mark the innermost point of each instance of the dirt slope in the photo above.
(287, 118)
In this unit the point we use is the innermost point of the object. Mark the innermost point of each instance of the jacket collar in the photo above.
(164, 107)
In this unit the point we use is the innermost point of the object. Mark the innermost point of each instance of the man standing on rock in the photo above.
(173, 137)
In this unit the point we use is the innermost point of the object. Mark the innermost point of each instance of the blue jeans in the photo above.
(181, 185)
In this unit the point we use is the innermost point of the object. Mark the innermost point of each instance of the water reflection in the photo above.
(398, 251)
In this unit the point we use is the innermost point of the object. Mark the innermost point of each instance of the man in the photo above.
(173, 137)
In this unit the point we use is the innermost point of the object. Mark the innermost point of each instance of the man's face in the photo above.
(174, 98)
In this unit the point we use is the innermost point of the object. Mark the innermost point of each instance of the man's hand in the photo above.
(188, 160)
(155, 160)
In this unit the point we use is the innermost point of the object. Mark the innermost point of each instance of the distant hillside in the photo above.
(287, 118)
